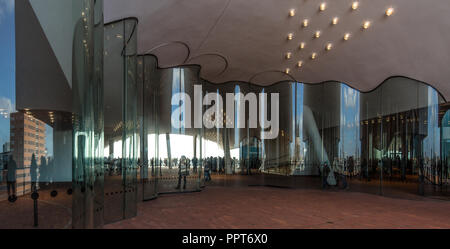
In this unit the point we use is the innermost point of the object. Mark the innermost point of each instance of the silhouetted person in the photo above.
(221, 165)
(182, 172)
(194, 164)
(325, 172)
(152, 164)
(350, 166)
(421, 177)
(11, 177)
(343, 172)
(233, 165)
(33, 173)
(207, 170)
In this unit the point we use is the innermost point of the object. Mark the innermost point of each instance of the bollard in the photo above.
(35, 197)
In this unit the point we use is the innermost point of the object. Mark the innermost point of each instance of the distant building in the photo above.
(7, 147)
(27, 138)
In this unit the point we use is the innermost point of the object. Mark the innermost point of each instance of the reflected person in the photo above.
(11, 177)
(33, 173)
(182, 172)
(194, 164)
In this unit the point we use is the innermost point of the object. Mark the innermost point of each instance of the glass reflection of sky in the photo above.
(349, 144)
(297, 90)
(237, 107)
(178, 87)
(7, 70)
(431, 144)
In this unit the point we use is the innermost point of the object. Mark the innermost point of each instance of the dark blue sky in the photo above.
(7, 66)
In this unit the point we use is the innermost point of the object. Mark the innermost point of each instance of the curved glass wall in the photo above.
(87, 117)
(92, 143)
(445, 152)
(389, 141)
(121, 122)
(172, 151)
(51, 165)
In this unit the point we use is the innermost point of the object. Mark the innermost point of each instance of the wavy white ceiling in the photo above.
(252, 36)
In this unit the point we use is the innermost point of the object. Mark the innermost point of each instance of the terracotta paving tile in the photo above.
(263, 207)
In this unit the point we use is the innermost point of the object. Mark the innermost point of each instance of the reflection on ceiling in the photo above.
(361, 43)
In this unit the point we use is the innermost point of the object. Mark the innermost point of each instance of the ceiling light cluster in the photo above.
(390, 11)
(347, 36)
(288, 55)
(335, 21)
(366, 24)
(290, 36)
(302, 45)
(305, 23)
(317, 34)
(292, 12)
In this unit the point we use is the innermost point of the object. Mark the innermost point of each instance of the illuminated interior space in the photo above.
(336, 95)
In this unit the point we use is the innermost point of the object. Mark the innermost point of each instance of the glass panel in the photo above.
(121, 120)
(87, 107)
(53, 147)
(445, 147)
(147, 65)
(130, 140)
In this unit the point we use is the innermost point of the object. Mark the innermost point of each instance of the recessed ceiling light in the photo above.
(390, 11)
(335, 21)
(329, 46)
(302, 45)
(292, 12)
(313, 56)
(305, 23)
(355, 5)
(317, 34)
(290, 36)
(300, 64)
(288, 55)
(347, 36)
(366, 24)
(323, 6)
(287, 71)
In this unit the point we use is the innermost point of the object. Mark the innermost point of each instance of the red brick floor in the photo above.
(54, 212)
(264, 207)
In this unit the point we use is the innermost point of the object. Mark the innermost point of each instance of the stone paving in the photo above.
(243, 207)
(53, 212)
(243, 202)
